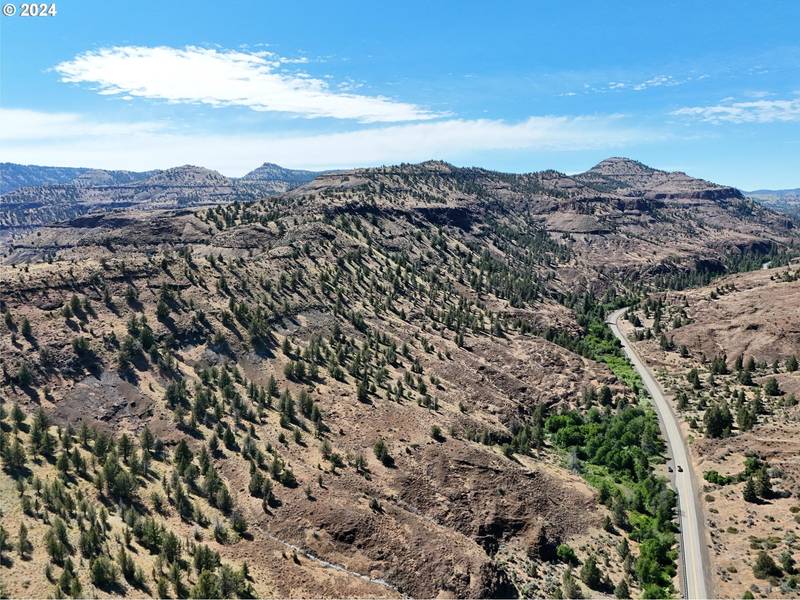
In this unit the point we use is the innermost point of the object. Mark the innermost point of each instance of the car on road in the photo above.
(669, 468)
(680, 469)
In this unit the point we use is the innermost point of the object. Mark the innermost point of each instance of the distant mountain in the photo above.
(14, 176)
(34, 196)
(189, 176)
(785, 201)
(280, 176)
(793, 193)
(628, 177)
(629, 212)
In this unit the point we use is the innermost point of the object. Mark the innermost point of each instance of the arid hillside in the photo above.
(618, 218)
(36, 196)
(785, 201)
(384, 382)
(728, 352)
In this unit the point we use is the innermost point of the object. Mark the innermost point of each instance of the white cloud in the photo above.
(755, 111)
(657, 81)
(458, 140)
(26, 125)
(256, 80)
(639, 85)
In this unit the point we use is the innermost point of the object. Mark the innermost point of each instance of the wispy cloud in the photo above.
(657, 81)
(22, 125)
(453, 139)
(257, 80)
(637, 85)
(754, 111)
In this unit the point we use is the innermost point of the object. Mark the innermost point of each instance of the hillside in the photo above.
(384, 382)
(34, 196)
(281, 178)
(14, 176)
(727, 353)
(656, 222)
(785, 201)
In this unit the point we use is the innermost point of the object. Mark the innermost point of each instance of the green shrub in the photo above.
(566, 554)
(104, 572)
(765, 566)
(716, 478)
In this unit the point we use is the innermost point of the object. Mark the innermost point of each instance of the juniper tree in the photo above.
(17, 416)
(718, 420)
(590, 573)
(749, 492)
(24, 545)
(381, 451)
(621, 590)
(765, 567)
(771, 387)
(14, 457)
(693, 377)
(762, 483)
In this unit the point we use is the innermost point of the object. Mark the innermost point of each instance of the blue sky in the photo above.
(711, 88)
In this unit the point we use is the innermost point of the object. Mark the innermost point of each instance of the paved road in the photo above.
(690, 515)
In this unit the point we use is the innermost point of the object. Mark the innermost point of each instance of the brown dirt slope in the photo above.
(755, 316)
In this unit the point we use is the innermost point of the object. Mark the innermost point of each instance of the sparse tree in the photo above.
(749, 492)
(621, 590)
(771, 387)
(765, 567)
(24, 545)
(590, 573)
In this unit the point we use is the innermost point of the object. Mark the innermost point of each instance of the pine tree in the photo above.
(570, 587)
(14, 456)
(207, 586)
(745, 417)
(23, 544)
(771, 387)
(362, 393)
(749, 492)
(717, 420)
(17, 416)
(693, 377)
(618, 514)
(26, 329)
(381, 451)
(3, 543)
(765, 566)
(621, 590)
(763, 486)
(590, 573)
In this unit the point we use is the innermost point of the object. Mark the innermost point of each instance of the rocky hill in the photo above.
(280, 178)
(785, 201)
(618, 218)
(627, 177)
(35, 196)
(384, 382)
(14, 176)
